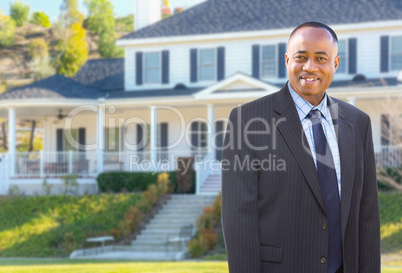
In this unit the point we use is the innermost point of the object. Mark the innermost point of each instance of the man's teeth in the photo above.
(310, 79)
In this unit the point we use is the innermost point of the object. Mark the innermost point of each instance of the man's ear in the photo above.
(336, 62)
(286, 59)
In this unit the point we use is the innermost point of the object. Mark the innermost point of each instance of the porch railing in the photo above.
(54, 164)
(389, 156)
(84, 164)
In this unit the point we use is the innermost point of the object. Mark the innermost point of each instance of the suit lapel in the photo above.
(293, 133)
(346, 145)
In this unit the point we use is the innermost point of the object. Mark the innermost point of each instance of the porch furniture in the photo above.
(185, 234)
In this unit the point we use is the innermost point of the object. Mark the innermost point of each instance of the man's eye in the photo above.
(300, 57)
(321, 58)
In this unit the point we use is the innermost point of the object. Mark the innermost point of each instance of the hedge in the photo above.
(135, 181)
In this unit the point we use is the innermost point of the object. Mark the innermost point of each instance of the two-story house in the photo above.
(171, 95)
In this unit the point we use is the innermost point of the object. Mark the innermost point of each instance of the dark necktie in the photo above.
(329, 189)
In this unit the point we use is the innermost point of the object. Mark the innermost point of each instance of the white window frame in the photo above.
(144, 69)
(199, 64)
(390, 52)
(346, 57)
(275, 61)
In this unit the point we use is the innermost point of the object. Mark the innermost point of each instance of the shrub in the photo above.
(41, 68)
(216, 215)
(37, 48)
(40, 18)
(131, 181)
(206, 235)
(210, 238)
(196, 247)
(19, 13)
(7, 30)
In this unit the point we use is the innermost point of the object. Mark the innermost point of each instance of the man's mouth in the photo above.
(310, 79)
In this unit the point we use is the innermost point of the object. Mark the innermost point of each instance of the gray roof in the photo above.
(53, 87)
(103, 74)
(219, 16)
(152, 93)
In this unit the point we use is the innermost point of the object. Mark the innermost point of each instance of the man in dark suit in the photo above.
(299, 189)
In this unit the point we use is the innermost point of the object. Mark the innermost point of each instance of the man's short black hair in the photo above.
(315, 25)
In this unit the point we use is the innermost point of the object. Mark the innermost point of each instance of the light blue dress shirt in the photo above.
(303, 108)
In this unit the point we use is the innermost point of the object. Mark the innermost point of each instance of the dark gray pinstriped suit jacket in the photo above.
(273, 218)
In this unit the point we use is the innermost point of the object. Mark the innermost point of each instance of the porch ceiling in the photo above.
(36, 112)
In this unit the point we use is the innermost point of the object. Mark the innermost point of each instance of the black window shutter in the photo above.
(281, 60)
(138, 68)
(164, 135)
(140, 136)
(59, 140)
(193, 65)
(256, 61)
(385, 130)
(221, 63)
(194, 134)
(384, 53)
(81, 137)
(352, 55)
(165, 66)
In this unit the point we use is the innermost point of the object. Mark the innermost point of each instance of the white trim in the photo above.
(208, 92)
(46, 102)
(397, 24)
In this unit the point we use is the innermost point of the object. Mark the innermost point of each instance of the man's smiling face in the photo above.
(311, 62)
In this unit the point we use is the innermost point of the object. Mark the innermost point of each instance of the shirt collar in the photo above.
(304, 107)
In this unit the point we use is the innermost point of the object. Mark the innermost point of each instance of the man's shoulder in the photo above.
(264, 104)
(351, 111)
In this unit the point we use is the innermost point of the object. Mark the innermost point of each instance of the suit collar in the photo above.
(289, 126)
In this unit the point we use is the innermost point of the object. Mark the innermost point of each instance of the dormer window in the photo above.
(396, 53)
(152, 67)
(207, 65)
(268, 61)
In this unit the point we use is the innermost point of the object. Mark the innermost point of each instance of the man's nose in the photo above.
(310, 65)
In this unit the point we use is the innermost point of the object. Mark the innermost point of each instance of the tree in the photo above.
(41, 19)
(124, 24)
(101, 21)
(41, 68)
(7, 30)
(74, 51)
(37, 48)
(70, 14)
(19, 13)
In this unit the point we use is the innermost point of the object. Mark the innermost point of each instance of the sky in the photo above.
(52, 7)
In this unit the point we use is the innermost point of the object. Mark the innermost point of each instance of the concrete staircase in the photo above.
(181, 209)
(212, 185)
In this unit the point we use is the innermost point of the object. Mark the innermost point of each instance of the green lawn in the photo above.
(91, 266)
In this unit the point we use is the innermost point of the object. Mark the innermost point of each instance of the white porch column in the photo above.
(154, 133)
(101, 136)
(352, 101)
(12, 136)
(211, 121)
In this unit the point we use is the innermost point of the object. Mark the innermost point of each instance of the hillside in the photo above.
(13, 59)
